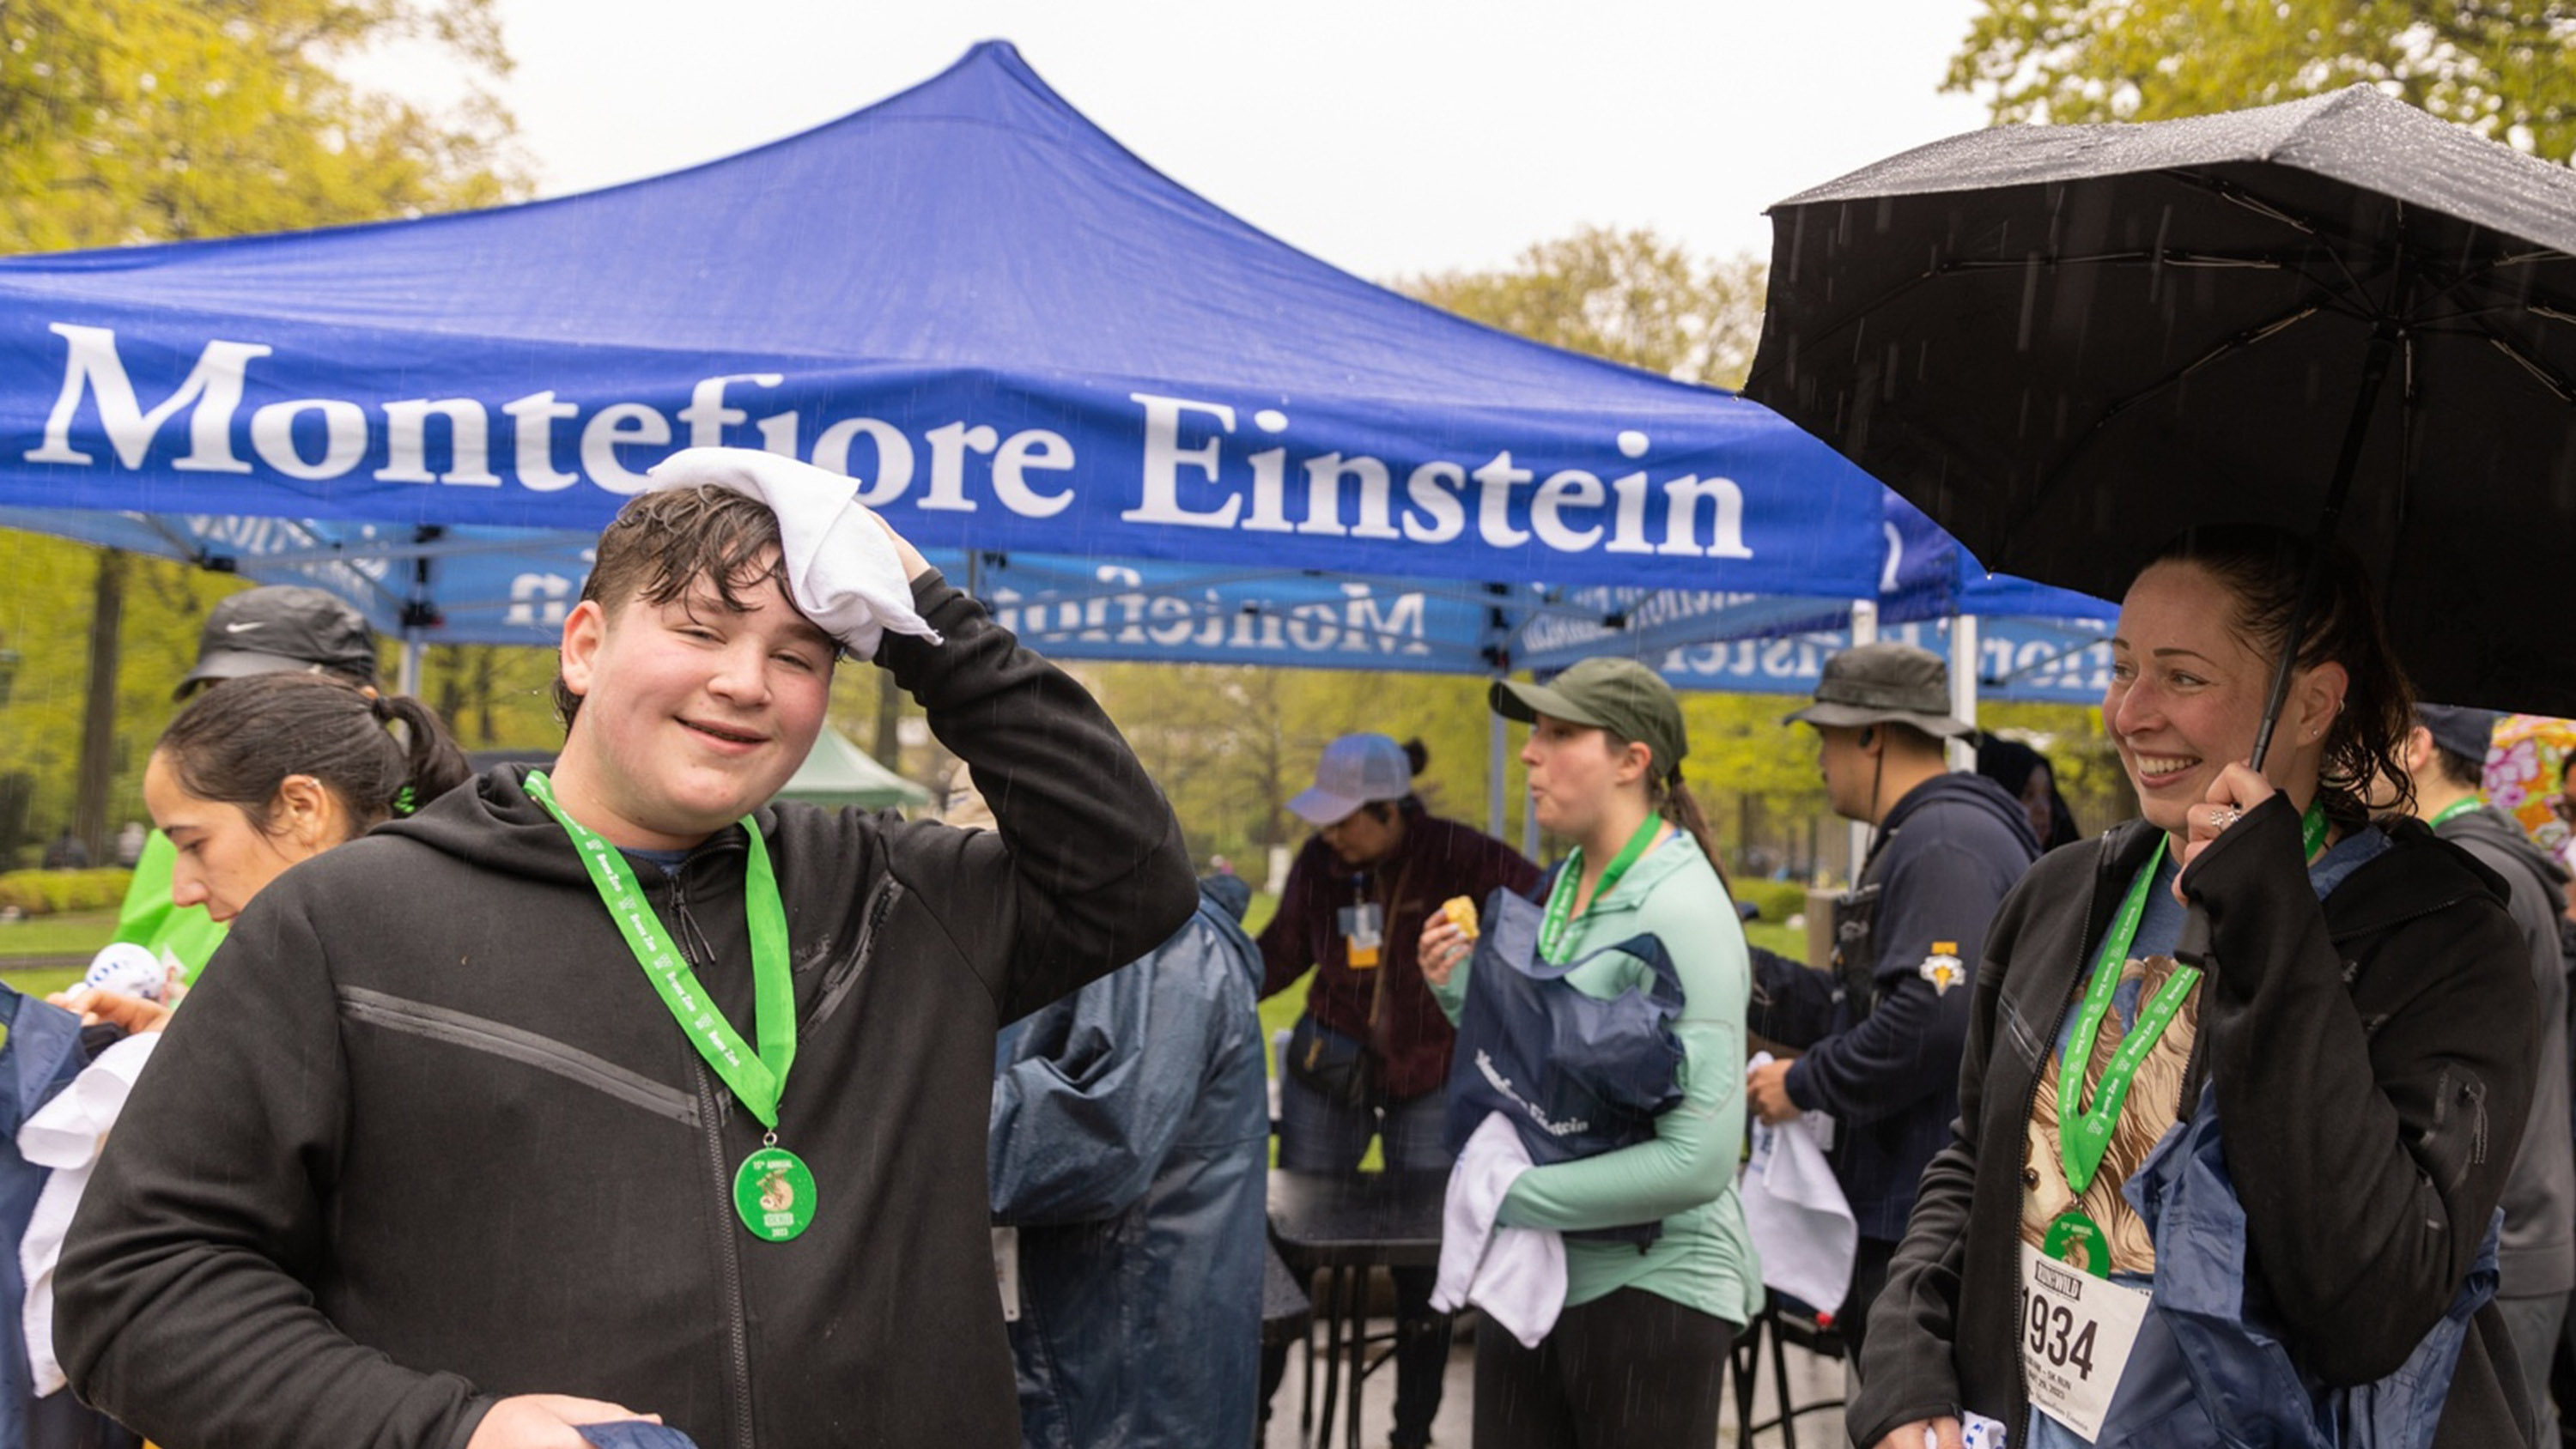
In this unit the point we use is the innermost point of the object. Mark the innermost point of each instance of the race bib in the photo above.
(2076, 1332)
(1006, 1271)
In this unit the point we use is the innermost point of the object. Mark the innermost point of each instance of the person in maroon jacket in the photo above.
(1370, 1057)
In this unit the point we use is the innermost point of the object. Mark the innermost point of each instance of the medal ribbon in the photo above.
(757, 1077)
(2455, 810)
(2084, 1134)
(1560, 901)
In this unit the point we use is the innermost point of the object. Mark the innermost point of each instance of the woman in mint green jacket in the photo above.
(1634, 1360)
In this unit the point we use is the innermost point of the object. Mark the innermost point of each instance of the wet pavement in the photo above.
(1811, 1380)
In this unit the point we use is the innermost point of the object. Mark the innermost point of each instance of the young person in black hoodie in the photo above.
(1882, 1031)
(2366, 1026)
(429, 1161)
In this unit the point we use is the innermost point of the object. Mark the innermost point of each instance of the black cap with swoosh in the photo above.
(281, 627)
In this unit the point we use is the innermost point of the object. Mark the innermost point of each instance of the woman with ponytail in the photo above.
(271, 770)
(1634, 1357)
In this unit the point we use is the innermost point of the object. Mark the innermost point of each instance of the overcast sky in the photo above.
(1389, 137)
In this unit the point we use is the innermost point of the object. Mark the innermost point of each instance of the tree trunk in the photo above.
(98, 712)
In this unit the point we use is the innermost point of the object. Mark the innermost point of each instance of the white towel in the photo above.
(841, 568)
(65, 1135)
(1800, 1222)
(1516, 1275)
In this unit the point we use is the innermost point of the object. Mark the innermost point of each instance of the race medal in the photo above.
(2076, 1241)
(774, 1193)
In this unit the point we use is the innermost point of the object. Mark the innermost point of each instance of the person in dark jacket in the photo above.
(2536, 1264)
(1881, 1032)
(1370, 1057)
(1130, 1152)
(432, 1160)
(2367, 1024)
(2027, 776)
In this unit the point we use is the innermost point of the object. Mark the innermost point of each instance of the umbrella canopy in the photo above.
(2069, 343)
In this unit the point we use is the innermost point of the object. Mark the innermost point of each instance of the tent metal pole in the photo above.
(1498, 741)
(407, 674)
(1963, 686)
(1864, 630)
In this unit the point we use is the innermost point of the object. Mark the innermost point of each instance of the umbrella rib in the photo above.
(2229, 191)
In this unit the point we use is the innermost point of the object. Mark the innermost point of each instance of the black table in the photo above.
(1346, 1224)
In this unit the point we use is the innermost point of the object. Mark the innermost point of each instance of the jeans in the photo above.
(1317, 1135)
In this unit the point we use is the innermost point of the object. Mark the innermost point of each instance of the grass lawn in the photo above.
(75, 933)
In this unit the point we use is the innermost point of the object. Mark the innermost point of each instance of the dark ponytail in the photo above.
(1676, 804)
(237, 743)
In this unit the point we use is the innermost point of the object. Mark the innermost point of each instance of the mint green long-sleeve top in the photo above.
(1685, 1175)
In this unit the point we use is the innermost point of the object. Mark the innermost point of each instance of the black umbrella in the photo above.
(2068, 343)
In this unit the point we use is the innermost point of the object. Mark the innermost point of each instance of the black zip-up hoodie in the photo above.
(425, 1135)
(2373, 1062)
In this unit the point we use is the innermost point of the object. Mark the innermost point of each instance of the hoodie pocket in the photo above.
(476, 1033)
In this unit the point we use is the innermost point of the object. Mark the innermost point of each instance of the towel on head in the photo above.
(841, 568)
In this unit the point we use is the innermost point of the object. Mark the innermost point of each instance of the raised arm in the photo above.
(1088, 871)
(2369, 1154)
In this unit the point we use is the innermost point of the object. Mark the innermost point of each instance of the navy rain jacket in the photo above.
(1131, 1147)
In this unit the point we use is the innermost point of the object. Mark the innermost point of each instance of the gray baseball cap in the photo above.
(279, 628)
(1619, 695)
(1354, 771)
(1885, 684)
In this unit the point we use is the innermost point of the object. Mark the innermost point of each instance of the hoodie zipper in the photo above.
(843, 978)
(713, 1111)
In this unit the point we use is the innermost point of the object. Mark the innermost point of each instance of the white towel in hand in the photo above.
(1795, 1211)
(841, 568)
(65, 1135)
(1516, 1275)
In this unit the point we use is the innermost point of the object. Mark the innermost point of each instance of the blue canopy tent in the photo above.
(1071, 380)
(1018, 337)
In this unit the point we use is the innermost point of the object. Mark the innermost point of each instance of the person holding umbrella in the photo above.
(2362, 1047)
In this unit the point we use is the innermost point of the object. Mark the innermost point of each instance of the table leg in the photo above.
(1359, 1346)
(1334, 1292)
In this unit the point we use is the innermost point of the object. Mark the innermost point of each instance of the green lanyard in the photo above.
(2454, 811)
(758, 1079)
(2084, 1134)
(1560, 901)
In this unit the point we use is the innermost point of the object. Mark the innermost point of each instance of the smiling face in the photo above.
(692, 712)
(2186, 696)
(223, 856)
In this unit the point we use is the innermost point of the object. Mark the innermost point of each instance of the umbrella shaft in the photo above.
(2374, 371)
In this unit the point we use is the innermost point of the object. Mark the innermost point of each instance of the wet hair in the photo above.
(662, 543)
(2263, 569)
(1417, 756)
(236, 745)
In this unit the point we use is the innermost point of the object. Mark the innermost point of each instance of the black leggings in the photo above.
(1633, 1370)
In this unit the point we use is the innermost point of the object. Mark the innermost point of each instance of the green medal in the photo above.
(773, 1190)
(2076, 1241)
(1560, 900)
(2084, 1132)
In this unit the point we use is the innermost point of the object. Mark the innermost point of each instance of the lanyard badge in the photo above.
(773, 1190)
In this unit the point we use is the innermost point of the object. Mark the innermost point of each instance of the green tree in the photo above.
(127, 121)
(2507, 71)
(159, 120)
(1628, 296)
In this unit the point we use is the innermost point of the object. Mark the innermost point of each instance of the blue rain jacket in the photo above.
(2209, 1367)
(1130, 1147)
